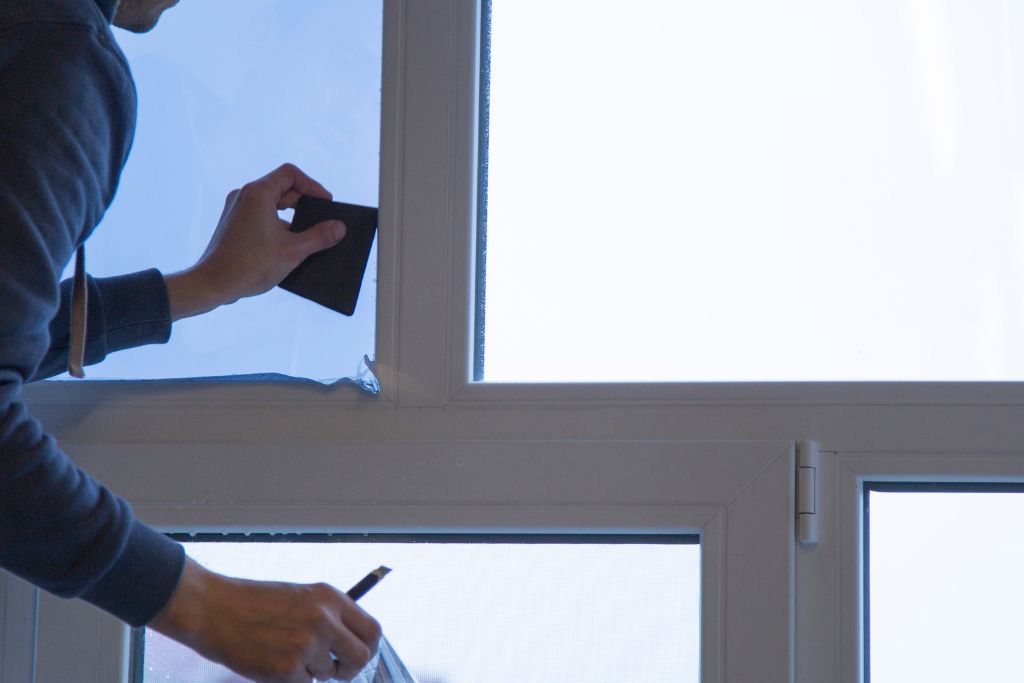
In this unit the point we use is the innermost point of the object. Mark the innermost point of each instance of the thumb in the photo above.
(321, 236)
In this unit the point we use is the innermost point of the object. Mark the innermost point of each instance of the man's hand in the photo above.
(252, 249)
(270, 632)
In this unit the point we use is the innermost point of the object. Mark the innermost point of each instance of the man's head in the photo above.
(139, 16)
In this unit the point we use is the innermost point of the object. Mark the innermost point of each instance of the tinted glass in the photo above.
(228, 91)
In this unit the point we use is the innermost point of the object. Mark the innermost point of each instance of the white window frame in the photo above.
(429, 408)
(728, 493)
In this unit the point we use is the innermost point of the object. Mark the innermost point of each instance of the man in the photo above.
(67, 116)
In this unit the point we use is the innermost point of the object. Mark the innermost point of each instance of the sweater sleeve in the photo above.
(124, 312)
(66, 118)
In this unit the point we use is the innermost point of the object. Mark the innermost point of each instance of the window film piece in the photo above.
(942, 578)
(385, 667)
(227, 92)
(464, 609)
(749, 191)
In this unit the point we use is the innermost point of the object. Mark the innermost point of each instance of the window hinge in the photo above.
(807, 492)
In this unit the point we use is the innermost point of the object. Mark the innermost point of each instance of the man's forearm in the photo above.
(191, 293)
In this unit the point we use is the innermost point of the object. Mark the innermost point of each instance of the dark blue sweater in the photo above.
(67, 117)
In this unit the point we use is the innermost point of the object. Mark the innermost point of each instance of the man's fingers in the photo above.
(321, 236)
(353, 654)
(363, 625)
(289, 200)
(288, 178)
(323, 667)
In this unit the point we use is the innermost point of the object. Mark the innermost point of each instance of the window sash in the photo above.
(851, 471)
(733, 494)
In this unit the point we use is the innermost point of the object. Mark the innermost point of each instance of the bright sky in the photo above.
(749, 190)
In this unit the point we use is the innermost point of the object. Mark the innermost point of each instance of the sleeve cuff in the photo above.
(142, 580)
(136, 310)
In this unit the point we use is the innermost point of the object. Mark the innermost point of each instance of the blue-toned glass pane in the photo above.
(228, 91)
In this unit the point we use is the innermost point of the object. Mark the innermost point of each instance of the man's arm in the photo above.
(59, 528)
(251, 251)
(65, 125)
(124, 312)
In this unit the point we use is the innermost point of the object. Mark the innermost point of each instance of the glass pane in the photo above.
(699, 191)
(228, 91)
(464, 612)
(944, 585)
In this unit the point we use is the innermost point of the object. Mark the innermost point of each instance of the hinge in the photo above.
(807, 492)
